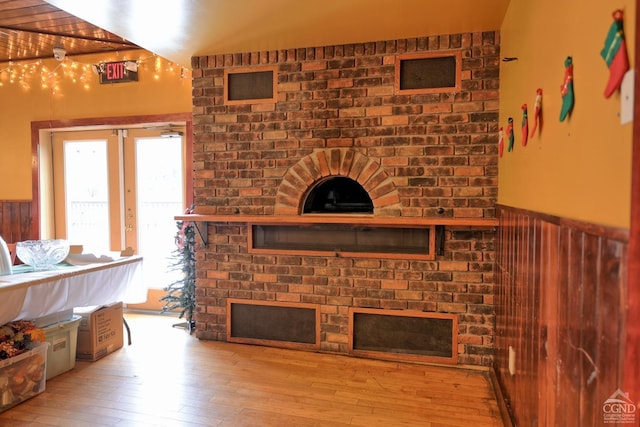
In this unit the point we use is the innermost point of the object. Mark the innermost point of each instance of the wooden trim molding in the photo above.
(613, 233)
(502, 404)
(338, 219)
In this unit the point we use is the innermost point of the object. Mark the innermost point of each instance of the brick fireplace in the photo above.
(421, 157)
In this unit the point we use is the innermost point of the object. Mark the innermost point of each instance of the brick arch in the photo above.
(302, 176)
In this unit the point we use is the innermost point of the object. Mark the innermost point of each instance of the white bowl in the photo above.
(42, 254)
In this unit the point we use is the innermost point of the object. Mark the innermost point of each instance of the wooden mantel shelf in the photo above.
(201, 221)
(338, 219)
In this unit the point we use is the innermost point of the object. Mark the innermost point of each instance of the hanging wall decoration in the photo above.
(510, 134)
(501, 142)
(537, 113)
(614, 54)
(525, 125)
(567, 89)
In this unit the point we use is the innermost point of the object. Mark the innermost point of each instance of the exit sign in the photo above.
(117, 72)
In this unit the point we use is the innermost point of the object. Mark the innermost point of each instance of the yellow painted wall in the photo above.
(19, 106)
(579, 168)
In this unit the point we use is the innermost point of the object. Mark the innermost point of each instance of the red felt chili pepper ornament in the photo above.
(537, 112)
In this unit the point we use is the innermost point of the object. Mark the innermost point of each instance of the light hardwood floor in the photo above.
(169, 378)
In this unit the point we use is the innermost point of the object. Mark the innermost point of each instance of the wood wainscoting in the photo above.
(16, 221)
(561, 290)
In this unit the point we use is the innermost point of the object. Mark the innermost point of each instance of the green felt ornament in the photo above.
(567, 89)
(614, 54)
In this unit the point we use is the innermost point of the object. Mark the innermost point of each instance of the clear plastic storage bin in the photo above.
(63, 339)
(23, 376)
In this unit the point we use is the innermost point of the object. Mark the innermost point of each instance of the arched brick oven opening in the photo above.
(339, 195)
(316, 168)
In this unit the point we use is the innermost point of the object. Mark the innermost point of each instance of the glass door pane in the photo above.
(87, 194)
(159, 197)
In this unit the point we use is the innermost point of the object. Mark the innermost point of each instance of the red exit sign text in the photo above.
(117, 72)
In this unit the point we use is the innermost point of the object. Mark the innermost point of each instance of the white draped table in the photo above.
(35, 294)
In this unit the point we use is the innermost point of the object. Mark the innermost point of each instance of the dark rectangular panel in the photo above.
(428, 73)
(410, 335)
(273, 323)
(421, 334)
(250, 85)
(343, 238)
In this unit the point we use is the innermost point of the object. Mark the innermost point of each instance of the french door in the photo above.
(115, 189)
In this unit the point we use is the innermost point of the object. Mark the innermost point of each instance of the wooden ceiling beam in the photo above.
(69, 36)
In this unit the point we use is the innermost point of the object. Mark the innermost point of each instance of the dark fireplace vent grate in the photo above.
(294, 325)
(408, 335)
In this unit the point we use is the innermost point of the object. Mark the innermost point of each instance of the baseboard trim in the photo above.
(502, 404)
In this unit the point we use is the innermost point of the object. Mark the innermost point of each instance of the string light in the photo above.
(76, 72)
(157, 68)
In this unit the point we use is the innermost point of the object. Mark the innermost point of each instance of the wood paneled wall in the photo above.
(16, 220)
(560, 304)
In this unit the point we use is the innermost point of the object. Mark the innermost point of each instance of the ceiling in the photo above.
(30, 29)
(180, 29)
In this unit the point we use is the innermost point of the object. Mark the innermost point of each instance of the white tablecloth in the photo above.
(39, 293)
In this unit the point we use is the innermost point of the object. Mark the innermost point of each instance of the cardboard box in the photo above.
(100, 331)
(63, 340)
(23, 376)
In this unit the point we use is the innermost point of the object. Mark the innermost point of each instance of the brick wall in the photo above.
(426, 155)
